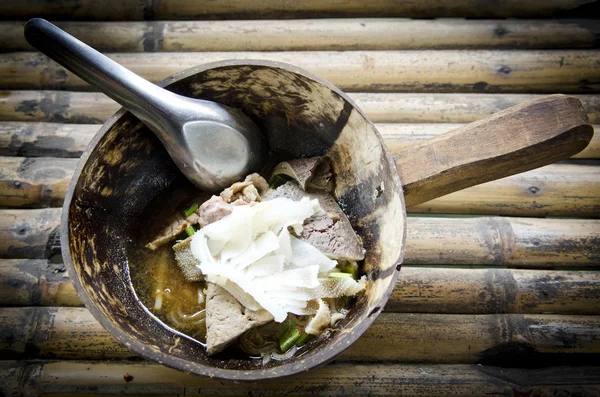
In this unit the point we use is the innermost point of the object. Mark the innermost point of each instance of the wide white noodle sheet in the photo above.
(253, 256)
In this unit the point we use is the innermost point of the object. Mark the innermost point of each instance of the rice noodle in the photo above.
(266, 358)
(187, 321)
(158, 300)
(335, 317)
(275, 355)
(254, 342)
(201, 296)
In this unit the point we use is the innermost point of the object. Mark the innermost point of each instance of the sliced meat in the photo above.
(310, 173)
(259, 182)
(322, 177)
(216, 208)
(186, 261)
(172, 230)
(330, 232)
(226, 319)
(213, 210)
(240, 193)
(249, 190)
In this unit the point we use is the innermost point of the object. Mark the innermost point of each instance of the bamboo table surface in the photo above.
(500, 287)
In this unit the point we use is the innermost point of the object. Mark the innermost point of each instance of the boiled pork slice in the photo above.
(250, 190)
(177, 224)
(227, 319)
(330, 232)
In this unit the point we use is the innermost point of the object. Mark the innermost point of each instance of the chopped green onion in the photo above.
(303, 339)
(190, 209)
(344, 301)
(288, 339)
(278, 180)
(349, 267)
(339, 275)
(190, 231)
(285, 327)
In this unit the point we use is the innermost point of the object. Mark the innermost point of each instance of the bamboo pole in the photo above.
(556, 189)
(337, 379)
(492, 241)
(35, 282)
(317, 34)
(513, 242)
(486, 339)
(95, 108)
(419, 289)
(33, 139)
(34, 182)
(73, 333)
(32, 332)
(26, 233)
(52, 139)
(567, 71)
(487, 291)
(57, 106)
(250, 9)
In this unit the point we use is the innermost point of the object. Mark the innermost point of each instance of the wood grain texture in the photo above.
(31, 139)
(34, 282)
(493, 241)
(338, 379)
(57, 106)
(249, 9)
(34, 182)
(567, 71)
(518, 139)
(95, 108)
(556, 189)
(318, 34)
(25, 233)
(503, 241)
(40, 139)
(486, 291)
(51, 332)
(397, 136)
(73, 333)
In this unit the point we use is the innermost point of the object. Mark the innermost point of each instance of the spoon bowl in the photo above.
(212, 144)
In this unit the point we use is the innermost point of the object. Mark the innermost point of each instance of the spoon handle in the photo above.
(147, 101)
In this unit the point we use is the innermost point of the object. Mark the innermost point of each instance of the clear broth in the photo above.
(155, 274)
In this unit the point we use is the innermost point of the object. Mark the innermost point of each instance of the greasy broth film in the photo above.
(161, 287)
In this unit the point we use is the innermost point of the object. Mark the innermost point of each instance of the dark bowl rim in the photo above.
(286, 369)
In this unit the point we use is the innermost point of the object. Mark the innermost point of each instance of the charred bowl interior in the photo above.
(126, 173)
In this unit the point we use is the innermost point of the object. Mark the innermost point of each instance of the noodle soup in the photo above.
(257, 272)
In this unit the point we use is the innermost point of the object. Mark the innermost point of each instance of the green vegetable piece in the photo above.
(350, 267)
(284, 327)
(303, 339)
(339, 275)
(344, 301)
(288, 339)
(190, 231)
(190, 209)
(278, 180)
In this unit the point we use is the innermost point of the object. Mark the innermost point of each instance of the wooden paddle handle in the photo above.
(518, 139)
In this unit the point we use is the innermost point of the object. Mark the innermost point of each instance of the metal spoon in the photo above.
(212, 144)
